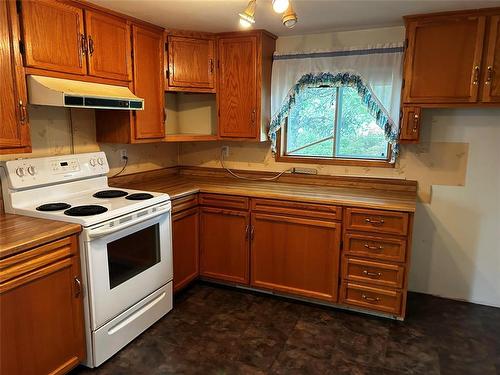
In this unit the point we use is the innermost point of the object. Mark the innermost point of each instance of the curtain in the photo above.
(374, 71)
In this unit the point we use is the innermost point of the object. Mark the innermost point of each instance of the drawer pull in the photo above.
(375, 222)
(370, 299)
(372, 274)
(380, 247)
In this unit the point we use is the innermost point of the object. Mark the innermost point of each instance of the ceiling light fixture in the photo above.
(280, 6)
(247, 18)
(289, 19)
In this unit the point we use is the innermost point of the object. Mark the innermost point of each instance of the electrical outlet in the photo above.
(305, 171)
(123, 154)
(225, 151)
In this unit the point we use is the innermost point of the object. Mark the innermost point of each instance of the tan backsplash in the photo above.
(430, 162)
(60, 131)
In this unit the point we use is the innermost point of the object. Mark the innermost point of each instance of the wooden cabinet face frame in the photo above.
(308, 265)
(426, 60)
(224, 244)
(410, 124)
(109, 47)
(14, 131)
(191, 63)
(239, 86)
(491, 79)
(148, 82)
(186, 246)
(54, 36)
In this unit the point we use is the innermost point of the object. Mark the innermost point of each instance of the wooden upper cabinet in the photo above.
(109, 50)
(245, 61)
(14, 128)
(295, 255)
(491, 82)
(191, 64)
(443, 59)
(410, 124)
(238, 87)
(148, 82)
(53, 34)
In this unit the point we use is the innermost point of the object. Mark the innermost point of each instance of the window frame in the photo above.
(281, 155)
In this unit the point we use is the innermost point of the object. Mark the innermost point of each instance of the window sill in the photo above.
(337, 161)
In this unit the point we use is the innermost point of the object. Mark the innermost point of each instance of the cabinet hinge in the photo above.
(403, 83)
(406, 44)
(21, 47)
(18, 6)
(166, 46)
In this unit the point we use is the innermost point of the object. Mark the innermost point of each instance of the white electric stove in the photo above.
(125, 244)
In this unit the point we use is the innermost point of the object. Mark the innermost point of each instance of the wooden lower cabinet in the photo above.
(224, 244)
(185, 238)
(295, 255)
(41, 312)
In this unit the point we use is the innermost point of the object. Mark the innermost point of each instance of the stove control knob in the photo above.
(92, 162)
(31, 170)
(20, 171)
(100, 161)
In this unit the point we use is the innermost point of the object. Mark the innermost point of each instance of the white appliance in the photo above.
(61, 92)
(125, 245)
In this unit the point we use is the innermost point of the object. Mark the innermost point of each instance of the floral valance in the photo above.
(375, 74)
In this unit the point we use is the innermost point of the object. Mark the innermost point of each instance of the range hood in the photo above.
(68, 93)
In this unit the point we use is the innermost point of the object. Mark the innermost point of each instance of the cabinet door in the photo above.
(148, 82)
(185, 237)
(238, 110)
(109, 49)
(294, 255)
(191, 63)
(42, 320)
(491, 82)
(224, 244)
(53, 36)
(443, 60)
(14, 130)
(410, 124)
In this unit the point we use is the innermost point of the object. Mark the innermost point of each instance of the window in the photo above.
(332, 123)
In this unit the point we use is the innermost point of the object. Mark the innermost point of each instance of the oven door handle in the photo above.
(103, 232)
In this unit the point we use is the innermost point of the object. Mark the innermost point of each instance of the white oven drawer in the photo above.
(117, 333)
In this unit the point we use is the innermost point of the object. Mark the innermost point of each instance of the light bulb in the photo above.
(244, 23)
(280, 6)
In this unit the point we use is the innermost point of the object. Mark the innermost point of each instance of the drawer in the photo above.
(375, 247)
(224, 201)
(183, 203)
(313, 210)
(377, 273)
(377, 221)
(372, 298)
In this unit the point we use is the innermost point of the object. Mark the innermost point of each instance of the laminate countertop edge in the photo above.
(20, 233)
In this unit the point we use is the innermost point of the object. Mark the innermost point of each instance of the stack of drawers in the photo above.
(375, 257)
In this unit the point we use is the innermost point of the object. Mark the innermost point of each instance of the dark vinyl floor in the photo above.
(219, 330)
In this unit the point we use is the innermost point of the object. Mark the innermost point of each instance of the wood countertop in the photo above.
(20, 233)
(181, 185)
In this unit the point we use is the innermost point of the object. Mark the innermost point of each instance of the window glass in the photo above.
(329, 122)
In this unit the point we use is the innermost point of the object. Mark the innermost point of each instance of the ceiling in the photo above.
(314, 15)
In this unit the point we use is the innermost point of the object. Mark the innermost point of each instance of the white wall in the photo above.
(456, 246)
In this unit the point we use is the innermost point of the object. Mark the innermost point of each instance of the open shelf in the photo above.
(190, 117)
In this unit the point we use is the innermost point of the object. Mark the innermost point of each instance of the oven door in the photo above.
(127, 262)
